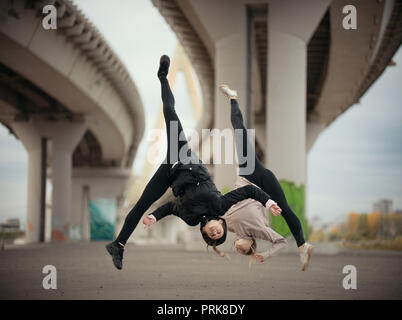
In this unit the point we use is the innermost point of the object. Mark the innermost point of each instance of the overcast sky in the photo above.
(356, 161)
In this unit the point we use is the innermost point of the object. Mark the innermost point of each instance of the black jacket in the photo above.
(197, 196)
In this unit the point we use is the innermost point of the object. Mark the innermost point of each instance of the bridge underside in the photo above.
(21, 99)
(66, 95)
(293, 65)
(335, 57)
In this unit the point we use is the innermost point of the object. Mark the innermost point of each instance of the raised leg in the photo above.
(264, 178)
(159, 183)
(176, 139)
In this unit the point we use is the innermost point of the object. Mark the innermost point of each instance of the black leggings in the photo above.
(263, 177)
(159, 182)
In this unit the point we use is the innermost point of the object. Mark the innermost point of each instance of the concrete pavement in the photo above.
(85, 271)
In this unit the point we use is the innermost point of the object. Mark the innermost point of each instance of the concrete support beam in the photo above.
(64, 137)
(286, 106)
(288, 35)
(314, 129)
(231, 69)
(31, 140)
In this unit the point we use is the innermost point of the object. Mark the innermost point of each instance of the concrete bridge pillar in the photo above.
(230, 69)
(290, 26)
(64, 137)
(31, 140)
(286, 106)
(291, 23)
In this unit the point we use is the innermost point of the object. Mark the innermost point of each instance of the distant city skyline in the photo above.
(356, 161)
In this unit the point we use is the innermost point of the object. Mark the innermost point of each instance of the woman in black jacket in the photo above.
(197, 199)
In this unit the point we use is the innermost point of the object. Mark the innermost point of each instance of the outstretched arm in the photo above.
(278, 243)
(161, 212)
(243, 193)
(252, 192)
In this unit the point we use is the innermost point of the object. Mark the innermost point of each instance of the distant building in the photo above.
(11, 225)
(316, 223)
(383, 206)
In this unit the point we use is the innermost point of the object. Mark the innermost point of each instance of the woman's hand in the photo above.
(273, 207)
(276, 211)
(148, 221)
(259, 257)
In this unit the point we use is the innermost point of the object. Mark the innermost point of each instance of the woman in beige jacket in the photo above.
(249, 221)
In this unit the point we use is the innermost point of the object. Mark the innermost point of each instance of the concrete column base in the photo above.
(31, 139)
(92, 187)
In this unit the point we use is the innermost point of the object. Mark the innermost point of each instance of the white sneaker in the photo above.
(305, 256)
(231, 94)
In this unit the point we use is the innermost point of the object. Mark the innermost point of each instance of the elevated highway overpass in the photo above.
(70, 100)
(294, 65)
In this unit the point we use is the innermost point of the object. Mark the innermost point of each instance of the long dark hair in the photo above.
(208, 240)
(213, 209)
(212, 242)
(201, 207)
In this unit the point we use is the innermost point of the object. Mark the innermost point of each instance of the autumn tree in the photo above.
(373, 221)
(363, 227)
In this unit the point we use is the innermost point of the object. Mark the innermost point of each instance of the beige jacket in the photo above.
(248, 220)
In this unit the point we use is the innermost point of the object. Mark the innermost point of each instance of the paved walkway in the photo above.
(85, 271)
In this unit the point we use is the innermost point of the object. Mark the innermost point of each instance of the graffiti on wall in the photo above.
(102, 213)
